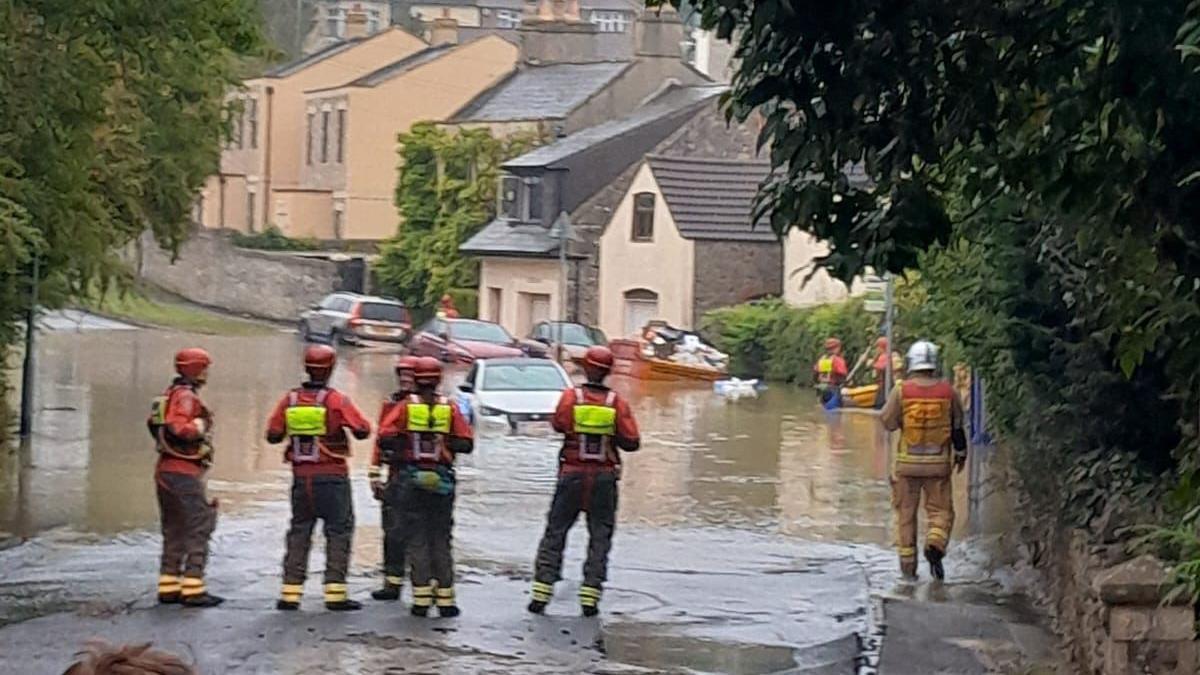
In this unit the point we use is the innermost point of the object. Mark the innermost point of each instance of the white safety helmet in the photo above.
(923, 355)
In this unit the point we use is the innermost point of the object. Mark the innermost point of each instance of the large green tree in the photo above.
(111, 115)
(1039, 160)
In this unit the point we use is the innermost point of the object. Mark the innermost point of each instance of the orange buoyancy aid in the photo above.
(925, 428)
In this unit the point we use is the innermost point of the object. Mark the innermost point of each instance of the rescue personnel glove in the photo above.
(960, 461)
(201, 425)
(377, 489)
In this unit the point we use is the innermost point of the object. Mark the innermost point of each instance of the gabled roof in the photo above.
(673, 100)
(519, 5)
(541, 92)
(293, 67)
(712, 198)
(502, 237)
(402, 66)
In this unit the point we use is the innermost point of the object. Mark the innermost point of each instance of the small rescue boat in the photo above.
(859, 397)
(629, 361)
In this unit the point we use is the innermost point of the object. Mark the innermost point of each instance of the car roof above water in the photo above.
(516, 361)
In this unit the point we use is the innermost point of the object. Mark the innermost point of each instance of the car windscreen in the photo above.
(479, 331)
(383, 311)
(531, 376)
(576, 334)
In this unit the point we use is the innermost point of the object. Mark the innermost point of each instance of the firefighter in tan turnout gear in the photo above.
(929, 415)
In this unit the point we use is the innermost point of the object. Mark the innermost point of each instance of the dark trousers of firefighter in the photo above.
(595, 494)
(428, 521)
(188, 520)
(395, 532)
(939, 511)
(328, 499)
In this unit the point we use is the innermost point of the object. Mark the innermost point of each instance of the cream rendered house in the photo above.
(349, 166)
(683, 241)
(261, 168)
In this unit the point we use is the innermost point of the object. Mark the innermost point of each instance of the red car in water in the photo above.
(466, 340)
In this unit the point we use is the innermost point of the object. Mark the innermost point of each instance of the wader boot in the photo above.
(430, 517)
(595, 494)
(939, 509)
(188, 521)
(327, 498)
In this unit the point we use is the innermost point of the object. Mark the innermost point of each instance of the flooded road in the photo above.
(752, 534)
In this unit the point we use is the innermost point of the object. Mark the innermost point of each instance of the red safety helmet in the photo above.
(406, 363)
(832, 344)
(599, 357)
(192, 362)
(881, 343)
(428, 369)
(319, 358)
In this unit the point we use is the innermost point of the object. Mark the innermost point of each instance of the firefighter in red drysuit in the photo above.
(446, 309)
(314, 418)
(180, 424)
(387, 492)
(596, 423)
(829, 372)
(427, 431)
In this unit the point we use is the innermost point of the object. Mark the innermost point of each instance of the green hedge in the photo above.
(768, 338)
(271, 239)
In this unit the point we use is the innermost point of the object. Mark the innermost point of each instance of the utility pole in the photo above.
(27, 371)
(889, 317)
(563, 222)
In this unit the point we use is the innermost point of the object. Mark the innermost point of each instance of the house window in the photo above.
(324, 136)
(341, 137)
(308, 141)
(239, 128)
(335, 22)
(508, 18)
(252, 116)
(610, 22)
(641, 307)
(533, 199)
(643, 216)
(510, 198)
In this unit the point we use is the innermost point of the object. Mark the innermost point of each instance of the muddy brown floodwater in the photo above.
(752, 533)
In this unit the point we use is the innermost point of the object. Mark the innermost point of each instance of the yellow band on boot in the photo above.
(168, 584)
(422, 596)
(907, 551)
(936, 535)
(589, 596)
(445, 597)
(335, 592)
(394, 581)
(192, 586)
(292, 592)
(542, 592)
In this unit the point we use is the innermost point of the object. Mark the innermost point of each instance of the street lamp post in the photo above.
(27, 367)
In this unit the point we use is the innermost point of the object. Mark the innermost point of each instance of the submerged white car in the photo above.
(514, 390)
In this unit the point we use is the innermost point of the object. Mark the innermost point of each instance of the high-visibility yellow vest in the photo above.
(595, 425)
(305, 424)
(428, 426)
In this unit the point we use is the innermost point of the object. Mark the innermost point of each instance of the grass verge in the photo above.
(143, 307)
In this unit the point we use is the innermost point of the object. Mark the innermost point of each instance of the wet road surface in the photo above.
(753, 535)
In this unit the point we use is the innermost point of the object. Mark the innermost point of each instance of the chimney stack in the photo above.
(444, 30)
(659, 33)
(356, 23)
(552, 31)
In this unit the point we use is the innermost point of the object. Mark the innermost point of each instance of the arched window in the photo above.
(643, 216)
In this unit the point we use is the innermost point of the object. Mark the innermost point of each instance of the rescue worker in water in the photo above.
(829, 372)
(180, 424)
(313, 419)
(389, 492)
(929, 415)
(596, 423)
(425, 433)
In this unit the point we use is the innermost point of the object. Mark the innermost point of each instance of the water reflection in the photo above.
(776, 463)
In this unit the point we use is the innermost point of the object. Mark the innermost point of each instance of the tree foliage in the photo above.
(446, 193)
(111, 116)
(1039, 162)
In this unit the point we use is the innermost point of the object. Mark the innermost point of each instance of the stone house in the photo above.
(613, 19)
(576, 185)
(333, 21)
(683, 241)
(262, 162)
(350, 169)
(567, 80)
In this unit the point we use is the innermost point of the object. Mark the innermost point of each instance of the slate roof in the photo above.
(397, 68)
(503, 237)
(671, 101)
(712, 198)
(541, 92)
(293, 67)
(585, 5)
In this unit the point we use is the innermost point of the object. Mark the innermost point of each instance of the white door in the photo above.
(639, 312)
